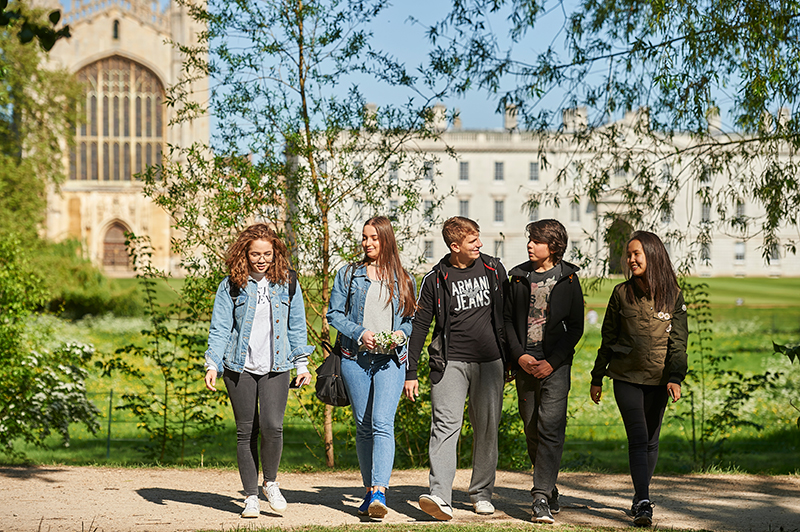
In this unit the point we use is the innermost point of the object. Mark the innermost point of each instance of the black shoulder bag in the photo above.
(330, 386)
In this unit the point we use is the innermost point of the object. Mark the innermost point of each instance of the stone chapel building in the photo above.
(120, 49)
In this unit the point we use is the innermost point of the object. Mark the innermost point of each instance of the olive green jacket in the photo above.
(642, 345)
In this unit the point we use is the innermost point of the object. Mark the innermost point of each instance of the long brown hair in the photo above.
(389, 266)
(659, 280)
(238, 264)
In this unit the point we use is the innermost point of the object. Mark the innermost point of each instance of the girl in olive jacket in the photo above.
(643, 350)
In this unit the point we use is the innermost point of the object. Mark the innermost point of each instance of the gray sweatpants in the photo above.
(543, 408)
(483, 384)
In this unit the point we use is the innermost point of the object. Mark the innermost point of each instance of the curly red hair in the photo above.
(238, 264)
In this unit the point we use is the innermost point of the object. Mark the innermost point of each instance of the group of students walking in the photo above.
(489, 326)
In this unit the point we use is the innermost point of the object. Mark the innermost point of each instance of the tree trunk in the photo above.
(328, 436)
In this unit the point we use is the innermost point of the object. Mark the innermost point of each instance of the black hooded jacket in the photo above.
(564, 321)
(434, 302)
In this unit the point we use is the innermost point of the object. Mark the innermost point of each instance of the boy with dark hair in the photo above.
(464, 294)
(543, 322)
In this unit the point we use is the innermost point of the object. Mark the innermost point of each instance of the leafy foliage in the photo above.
(37, 121)
(44, 391)
(31, 27)
(716, 396)
(648, 84)
(793, 353)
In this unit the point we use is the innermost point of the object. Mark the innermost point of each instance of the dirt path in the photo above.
(168, 500)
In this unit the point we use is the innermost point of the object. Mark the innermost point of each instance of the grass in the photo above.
(595, 437)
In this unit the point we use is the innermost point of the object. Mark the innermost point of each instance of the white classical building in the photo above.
(121, 50)
(496, 172)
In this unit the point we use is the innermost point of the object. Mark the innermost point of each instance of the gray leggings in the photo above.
(247, 392)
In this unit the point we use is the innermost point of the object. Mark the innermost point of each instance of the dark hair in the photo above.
(552, 233)
(390, 266)
(659, 280)
(457, 228)
(238, 264)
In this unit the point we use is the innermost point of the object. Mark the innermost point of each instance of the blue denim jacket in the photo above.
(232, 321)
(350, 325)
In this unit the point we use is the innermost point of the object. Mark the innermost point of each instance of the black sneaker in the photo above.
(643, 513)
(552, 501)
(541, 512)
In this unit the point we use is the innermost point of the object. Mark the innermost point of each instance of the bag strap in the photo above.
(347, 299)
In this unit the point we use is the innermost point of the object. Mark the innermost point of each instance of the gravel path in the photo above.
(168, 500)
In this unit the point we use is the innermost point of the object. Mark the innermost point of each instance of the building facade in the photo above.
(120, 50)
(497, 172)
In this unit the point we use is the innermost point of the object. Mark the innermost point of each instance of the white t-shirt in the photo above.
(259, 350)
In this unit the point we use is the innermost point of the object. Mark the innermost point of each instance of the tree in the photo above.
(31, 27)
(37, 120)
(671, 66)
(298, 146)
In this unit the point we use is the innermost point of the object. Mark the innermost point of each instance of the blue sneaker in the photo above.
(364, 508)
(377, 508)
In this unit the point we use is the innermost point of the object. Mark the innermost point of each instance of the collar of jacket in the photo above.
(522, 270)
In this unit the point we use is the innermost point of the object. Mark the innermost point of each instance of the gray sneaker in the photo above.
(434, 506)
(541, 512)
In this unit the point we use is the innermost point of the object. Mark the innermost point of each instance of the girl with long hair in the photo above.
(643, 351)
(257, 336)
(371, 306)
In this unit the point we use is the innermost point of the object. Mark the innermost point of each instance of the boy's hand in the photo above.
(596, 392)
(541, 369)
(538, 368)
(411, 389)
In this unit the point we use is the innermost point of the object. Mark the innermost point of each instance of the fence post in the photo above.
(108, 438)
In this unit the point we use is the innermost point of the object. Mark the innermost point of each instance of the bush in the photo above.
(77, 287)
(42, 391)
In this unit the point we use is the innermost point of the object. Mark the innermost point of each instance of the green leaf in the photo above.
(54, 17)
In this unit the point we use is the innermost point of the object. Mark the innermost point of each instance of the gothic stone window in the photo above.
(123, 131)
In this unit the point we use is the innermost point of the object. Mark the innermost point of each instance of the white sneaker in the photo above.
(251, 507)
(483, 507)
(434, 506)
(273, 494)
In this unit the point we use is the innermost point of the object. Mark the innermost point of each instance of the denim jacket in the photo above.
(232, 321)
(350, 325)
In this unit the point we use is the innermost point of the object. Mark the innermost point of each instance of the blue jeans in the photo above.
(374, 384)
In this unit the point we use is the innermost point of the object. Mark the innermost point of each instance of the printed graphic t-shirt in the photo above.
(472, 336)
(541, 286)
(259, 349)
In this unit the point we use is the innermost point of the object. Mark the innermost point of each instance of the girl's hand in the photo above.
(400, 339)
(368, 339)
(411, 390)
(674, 391)
(211, 379)
(303, 379)
(596, 392)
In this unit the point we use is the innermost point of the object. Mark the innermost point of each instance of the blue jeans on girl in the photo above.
(374, 384)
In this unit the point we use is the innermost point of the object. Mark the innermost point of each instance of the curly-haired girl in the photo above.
(257, 335)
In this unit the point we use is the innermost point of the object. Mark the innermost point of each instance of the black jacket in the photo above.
(434, 302)
(564, 321)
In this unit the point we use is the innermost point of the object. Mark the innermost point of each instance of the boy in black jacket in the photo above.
(464, 294)
(543, 322)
